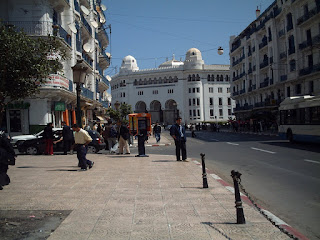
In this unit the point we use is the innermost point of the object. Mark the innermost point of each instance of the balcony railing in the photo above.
(86, 93)
(265, 83)
(33, 28)
(70, 86)
(264, 42)
(76, 6)
(281, 33)
(105, 80)
(86, 24)
(59, 31)
(291, 50)
(283, 78)
(283, 55)
(251, 88)
(242, 91)
(309, 70)
(308, 15)
(87, 59)
(264, 63)
(235, 93)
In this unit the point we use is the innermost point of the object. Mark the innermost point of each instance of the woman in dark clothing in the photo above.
(48, 138)
(7, 156)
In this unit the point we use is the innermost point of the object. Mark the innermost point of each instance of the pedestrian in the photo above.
(99, 128)
(7, 157)
(81, 141)
(67, 135)
(123, 137)
(110, 134)
(178, 132)
(193, 134)
(157, 132)
(48, 139)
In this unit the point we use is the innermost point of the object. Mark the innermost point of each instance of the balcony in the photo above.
(236, 78)
(264, 42)
(86, 25)
(254, 68)
(250, 70)
(249, 53)
(235, 93)
(56, 81)
(265, 83)
(104, 60)
(242, 91)
(86, 93)
(251, 88)
(277, 11)
(59, 31)
(76, 6)
(235, 45)
(103, 84)
(264, 63)
(309, 70)
(281, 33)
(308, 15)
(291, 50)
(289, 27)
(103, 38)
(283, 78)
(33, 28)
(283, 55)
(87, 59)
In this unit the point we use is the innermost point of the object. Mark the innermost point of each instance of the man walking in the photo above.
(123, 137)
(67, 135)
(178, 132)
(157, 132)
(82, 139)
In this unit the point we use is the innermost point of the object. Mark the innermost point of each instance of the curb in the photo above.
(274, 218)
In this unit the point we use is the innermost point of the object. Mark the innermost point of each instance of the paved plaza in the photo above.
(125, 197)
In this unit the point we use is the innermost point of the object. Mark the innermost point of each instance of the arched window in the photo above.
(198, 77)
(221, 78)
(145, 82)
(189, 78)
(193, 77)
(149, 81)
(175, 79)
(208, 78)
(170, 80)
(212, 78)
(135, 82)
(160, 80)
(140, 81)
(227, 78)
(218, 79)
(165, 80)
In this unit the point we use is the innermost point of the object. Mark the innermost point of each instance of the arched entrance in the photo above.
(156, 111)
(141, 107)
(171, 111)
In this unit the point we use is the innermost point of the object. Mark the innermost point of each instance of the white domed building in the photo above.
(189, 89)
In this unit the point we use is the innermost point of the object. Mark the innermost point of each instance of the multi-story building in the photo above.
(79, 25)
(190, 89)
(275, 57)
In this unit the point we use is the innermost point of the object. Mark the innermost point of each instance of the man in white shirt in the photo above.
(81, 141)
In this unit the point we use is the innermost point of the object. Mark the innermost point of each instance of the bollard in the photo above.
(240, 215)
(204, 174)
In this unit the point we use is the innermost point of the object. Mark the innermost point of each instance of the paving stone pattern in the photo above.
(124, 197)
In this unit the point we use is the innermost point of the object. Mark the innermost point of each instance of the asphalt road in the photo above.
(284, 178)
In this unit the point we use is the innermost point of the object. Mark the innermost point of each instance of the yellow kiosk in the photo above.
(140, 125)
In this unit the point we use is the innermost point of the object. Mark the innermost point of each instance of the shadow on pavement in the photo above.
(311, 147)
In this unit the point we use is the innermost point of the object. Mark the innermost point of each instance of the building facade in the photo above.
(79, 25)
(276, 56)
(189, 89)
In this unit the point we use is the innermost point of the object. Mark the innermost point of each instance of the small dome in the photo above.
(129, 63)
(171, 63)
(193, 54)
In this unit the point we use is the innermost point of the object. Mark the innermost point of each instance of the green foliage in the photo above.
(121, 114)
(24, 63)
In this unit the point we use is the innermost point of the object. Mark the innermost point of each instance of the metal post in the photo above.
(78, 105)
(240, 215)
(204, 174)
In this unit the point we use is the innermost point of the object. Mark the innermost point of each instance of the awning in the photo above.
(100, 118)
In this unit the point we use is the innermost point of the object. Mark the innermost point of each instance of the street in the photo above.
(282, 177)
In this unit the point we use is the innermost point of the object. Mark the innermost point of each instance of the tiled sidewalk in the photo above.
(124, 197)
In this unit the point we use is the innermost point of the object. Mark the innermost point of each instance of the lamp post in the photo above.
(79, 77)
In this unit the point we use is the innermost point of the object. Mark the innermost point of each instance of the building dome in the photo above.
(129, 63)
(193, 54)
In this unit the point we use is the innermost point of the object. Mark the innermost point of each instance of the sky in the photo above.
(154, 30)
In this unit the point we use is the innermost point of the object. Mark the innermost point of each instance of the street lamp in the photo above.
(79, 77)
(220, 50)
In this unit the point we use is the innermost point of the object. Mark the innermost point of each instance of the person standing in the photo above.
(123, 137)
(178, 132)
(7, 157)
(81, 141)
(157, 132)
(67, 135)
(48, 139)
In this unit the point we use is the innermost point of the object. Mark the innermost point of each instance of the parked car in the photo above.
(21, 138)
(36, 145)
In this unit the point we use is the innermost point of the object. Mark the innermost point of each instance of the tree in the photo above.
(25, 63)
(121, 114)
